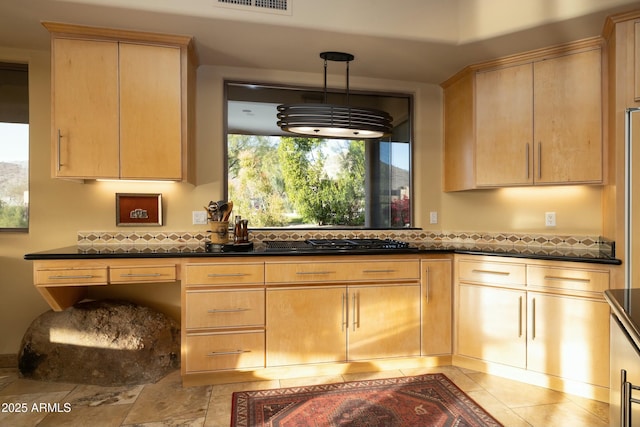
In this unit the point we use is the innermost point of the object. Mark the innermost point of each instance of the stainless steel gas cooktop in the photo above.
(335, 245)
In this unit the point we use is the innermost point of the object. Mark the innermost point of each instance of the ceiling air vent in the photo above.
(270, 6)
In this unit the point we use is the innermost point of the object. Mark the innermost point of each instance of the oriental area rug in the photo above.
(425, 400)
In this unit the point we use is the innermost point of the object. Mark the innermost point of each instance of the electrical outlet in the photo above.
(550, 219)
(199, 217)
(433, 217)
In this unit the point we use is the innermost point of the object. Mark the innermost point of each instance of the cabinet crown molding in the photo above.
(536, 55)
(60, 29)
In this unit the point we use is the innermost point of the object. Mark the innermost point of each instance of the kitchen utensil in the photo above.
(227, 212)
(222, 209)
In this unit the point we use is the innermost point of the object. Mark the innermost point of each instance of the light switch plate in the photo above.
(433, 217)
(199, 217)
(550, 219)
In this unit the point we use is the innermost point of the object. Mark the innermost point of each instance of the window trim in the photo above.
(21, 66)
(410, 97)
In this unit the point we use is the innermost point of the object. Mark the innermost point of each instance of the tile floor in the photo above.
(167, 403)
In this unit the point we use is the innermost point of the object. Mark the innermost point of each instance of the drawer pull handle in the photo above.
(570, 279)
(520, 317)
(500, 273)
(526, 159)
(533, 319)
(539, 159)
(345, 322)
(314, 272)
(77, 276)
(379, 271)
(227, 275)
(141, 275)
(227, 310)
(58, 160)
(226, 353)
(627, 399)
(428, 290)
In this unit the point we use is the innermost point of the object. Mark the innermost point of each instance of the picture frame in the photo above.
(138, 209)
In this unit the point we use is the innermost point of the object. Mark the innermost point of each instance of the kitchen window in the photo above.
(14, 147)
(278, 179)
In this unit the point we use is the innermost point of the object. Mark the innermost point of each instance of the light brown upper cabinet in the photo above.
(504, 126)
(531, 119)
(122, 104)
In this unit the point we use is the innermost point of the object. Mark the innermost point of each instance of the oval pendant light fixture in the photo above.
(331, 120)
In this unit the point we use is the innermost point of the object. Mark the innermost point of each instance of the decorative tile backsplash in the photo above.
(443, 238)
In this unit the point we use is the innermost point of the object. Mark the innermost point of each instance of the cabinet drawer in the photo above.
(568, 279)
(71, 276)
(342, 271)
(225, 351)
(222, 309)
(224, 274)
(492, 272)
(147, 273)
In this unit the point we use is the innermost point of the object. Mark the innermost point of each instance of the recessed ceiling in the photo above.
(411, 40)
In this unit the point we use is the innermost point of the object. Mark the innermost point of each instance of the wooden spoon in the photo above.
(227, 212)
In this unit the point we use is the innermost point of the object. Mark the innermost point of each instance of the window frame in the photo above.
(410, 117)
(22, 66)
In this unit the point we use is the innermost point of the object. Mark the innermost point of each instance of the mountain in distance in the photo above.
(14, 181)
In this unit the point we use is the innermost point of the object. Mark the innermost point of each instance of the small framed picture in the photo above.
(138, 209)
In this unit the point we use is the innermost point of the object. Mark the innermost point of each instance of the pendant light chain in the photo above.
(325, 81)
(348, 93)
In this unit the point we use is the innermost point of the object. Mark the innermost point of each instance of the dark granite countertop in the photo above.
(160, 251)
(625, 305)
(598, 255)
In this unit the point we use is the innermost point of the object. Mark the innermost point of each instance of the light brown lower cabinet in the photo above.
(225, 351)
(437, 310)
(550, 334)
(64, 282)
(568, 337)
(384, 322)
(548, 320)
(322, 324)
(625, 360)
(306, 325)
(491, 324)
(223, 317)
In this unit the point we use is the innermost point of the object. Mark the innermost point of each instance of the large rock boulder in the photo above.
(105, 343)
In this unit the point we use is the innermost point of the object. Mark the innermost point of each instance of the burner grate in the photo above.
(286, 245)
(334, 245)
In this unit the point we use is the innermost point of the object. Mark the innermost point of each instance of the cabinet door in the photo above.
(459, 139)
(569, 337)
(624, 355)
(150, 112)
(436, 307)
(492, 324)
(568, 119)
(384, 321)
(504, 126)
(306, 325)
(85, 108)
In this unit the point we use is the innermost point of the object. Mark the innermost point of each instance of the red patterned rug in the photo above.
(425, 400)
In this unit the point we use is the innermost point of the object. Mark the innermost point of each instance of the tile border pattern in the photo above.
(144, 238)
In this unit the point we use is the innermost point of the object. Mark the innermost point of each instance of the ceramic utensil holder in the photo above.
(219, 232)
